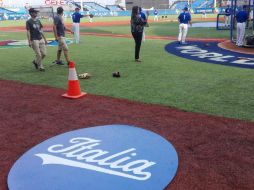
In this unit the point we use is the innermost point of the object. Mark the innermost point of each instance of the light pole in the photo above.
(81, 5)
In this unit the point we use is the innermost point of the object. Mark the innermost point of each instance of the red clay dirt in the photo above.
(48, 28)
(228, 45)
(215, 153)
(93, 24)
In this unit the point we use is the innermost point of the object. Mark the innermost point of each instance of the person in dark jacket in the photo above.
(137, 27)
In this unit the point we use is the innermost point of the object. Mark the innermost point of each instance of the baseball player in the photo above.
(155, 18)
(36, 39)
(143, 16)
(76, 16)
(227, 17)
(59, 32)
(241, 18)
(184, 19)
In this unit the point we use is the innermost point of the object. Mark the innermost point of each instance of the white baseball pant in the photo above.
(183, 29)
(240, 33)
(76, 32)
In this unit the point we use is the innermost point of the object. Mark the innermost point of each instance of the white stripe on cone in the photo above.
(73, 74)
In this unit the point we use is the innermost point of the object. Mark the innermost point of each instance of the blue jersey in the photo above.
(242, 16)
(155, 12)
(228, 11)
(184, 18)
(76, 17)
(143, 15)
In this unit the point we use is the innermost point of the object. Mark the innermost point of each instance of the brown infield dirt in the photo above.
(215, 153)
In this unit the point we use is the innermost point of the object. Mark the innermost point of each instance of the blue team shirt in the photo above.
(76, 17)
(228, 11)
(155, 12)
(143, 15)
(184, 18)
(242, 16)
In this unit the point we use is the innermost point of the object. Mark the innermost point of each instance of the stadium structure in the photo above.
(12, 10)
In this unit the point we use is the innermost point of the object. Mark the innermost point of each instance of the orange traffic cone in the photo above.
(73, 84)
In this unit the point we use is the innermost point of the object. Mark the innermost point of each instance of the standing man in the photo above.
(76, 16)
(228, 11)
(203, 14)
(155, 18)
(184, 19)
(59, 32)
(241, 18)
(36, 39)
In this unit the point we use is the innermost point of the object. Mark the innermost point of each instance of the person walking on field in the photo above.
(137, 28)
(59, 32)
(184, 19)
(76, 16)
(36, 39)
(241, 18)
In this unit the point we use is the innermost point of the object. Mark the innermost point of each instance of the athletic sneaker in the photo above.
(42, 69)
(35, 64)
(58, 62)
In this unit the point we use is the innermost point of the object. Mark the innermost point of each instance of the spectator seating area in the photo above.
(92, 6)
(6, 11)
(114, 7)
(196, 4)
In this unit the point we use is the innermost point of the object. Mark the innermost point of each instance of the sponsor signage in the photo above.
(203, 10)
(209, 52)
(55, 2)
(24, 43)
(112, 157)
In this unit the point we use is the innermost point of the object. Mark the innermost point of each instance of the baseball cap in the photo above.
(77, 8)
(185, 8)
(32, 10)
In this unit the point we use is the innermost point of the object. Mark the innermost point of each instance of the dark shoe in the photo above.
(137, 60)
(35, 64)
(42, 69)
(58, 62)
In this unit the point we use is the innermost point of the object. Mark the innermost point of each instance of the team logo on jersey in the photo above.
(119, 156)
(24, 43)
(211, 53)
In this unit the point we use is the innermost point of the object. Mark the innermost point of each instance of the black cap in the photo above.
(32, 10)
(185, 8)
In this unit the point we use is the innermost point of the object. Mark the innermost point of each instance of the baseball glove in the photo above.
(116, 74)
(84, 76)
(91, 15)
